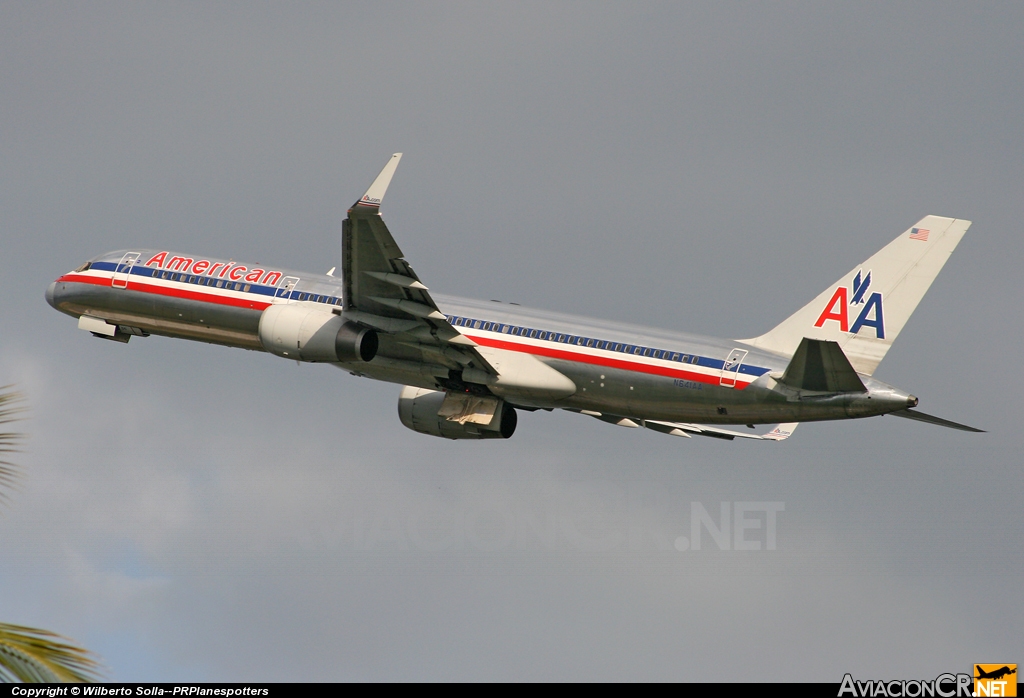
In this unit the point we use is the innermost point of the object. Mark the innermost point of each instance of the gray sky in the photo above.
(196, 512)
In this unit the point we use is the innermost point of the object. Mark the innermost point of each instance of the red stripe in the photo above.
(604, 361)
(168, 291)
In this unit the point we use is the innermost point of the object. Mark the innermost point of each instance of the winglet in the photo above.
(781, 432)
(375, 194)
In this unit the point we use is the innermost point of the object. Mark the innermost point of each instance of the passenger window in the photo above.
(219, 283)
(247, 287)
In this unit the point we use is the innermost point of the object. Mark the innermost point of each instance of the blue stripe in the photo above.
(628, 349)
(227, 284)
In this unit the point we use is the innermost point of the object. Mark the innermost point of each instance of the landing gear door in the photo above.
(286, 287)
(731, 368)
(124, 267)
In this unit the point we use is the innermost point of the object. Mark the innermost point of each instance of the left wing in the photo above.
(684, 429)
(382, 291)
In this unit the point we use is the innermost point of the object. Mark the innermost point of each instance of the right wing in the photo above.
(780, 433)
(382, 291)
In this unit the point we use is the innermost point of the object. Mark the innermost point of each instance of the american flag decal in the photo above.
(919, 234)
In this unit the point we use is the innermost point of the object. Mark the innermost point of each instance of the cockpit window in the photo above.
(84, 267)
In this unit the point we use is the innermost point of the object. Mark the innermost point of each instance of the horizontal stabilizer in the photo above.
(821, 365)
(922, 417)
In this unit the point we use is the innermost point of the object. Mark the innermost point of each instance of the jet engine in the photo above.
(306, 333)
(456, 415)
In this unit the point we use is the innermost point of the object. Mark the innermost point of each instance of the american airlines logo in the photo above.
(220, 270)
(847, 301)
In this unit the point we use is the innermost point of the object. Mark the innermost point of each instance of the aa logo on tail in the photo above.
(848, 301)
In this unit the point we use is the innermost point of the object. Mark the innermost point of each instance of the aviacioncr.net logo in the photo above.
(943, 686)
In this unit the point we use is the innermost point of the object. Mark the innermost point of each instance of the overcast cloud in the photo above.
(196, 512)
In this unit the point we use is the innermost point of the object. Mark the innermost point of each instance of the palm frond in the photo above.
(31, 655)
(12, 405)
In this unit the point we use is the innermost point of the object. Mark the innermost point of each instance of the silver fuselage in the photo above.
(618, 369)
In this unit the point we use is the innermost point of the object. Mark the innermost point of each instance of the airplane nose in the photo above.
(51, 290)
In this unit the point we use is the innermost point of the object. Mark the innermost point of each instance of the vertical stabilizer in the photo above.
(865, 310)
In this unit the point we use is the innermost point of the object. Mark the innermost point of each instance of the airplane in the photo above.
(466, 367)
(995, 674)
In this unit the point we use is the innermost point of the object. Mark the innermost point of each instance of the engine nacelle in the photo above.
(456, 415)
(307, 333)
